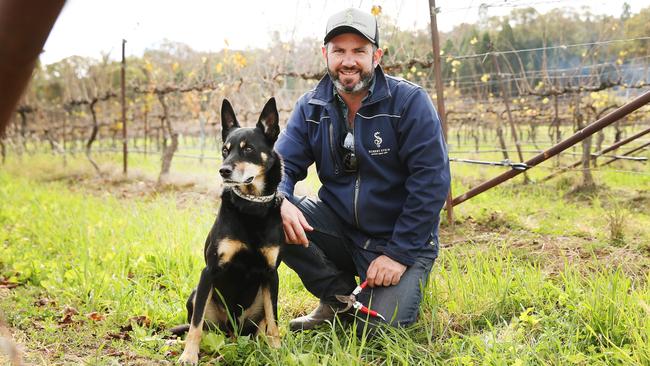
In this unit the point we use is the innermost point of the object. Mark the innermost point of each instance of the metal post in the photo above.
(65, 119)
(440, 93)
(123, 101)
(598, 125)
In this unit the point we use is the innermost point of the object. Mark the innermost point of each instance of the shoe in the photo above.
(321, 314)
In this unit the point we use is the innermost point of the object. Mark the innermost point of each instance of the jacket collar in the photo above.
(324, 91)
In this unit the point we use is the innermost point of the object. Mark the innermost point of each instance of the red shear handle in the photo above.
(364, 309)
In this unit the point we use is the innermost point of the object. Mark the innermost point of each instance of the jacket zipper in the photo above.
(357, 181)
(331, 135)
(357, 184)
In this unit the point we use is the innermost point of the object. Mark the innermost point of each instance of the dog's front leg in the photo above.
(272, 331)
(193, 340)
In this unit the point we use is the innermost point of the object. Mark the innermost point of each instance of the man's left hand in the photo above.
(384, 271)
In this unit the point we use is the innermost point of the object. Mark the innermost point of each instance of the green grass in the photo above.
(527, 275)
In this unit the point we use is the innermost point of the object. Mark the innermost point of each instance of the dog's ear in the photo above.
(228, 119)
(269, 121)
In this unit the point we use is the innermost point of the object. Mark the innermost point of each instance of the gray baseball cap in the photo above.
(352, 21)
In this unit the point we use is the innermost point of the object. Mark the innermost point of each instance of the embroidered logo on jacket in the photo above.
(378, 139)
(379, 150)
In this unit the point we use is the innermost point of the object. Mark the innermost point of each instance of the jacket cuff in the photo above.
(399, 256)
(286, 187)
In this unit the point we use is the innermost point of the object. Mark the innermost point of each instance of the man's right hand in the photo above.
(294, 224)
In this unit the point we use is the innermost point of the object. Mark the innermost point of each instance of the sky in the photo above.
(91, 28)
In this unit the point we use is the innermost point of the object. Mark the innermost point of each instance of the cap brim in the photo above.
(345, 29)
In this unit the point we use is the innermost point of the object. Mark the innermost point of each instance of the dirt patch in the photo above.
(639, 202)
(586, 194)
(552, 253)
(186, 189)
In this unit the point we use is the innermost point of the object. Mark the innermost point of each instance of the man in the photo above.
(380, 156)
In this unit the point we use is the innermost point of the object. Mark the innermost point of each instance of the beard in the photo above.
(365, 78)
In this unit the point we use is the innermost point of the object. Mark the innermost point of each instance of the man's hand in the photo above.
(384, 271)
(294, 224)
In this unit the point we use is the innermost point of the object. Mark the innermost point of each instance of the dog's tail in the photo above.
(179, 330)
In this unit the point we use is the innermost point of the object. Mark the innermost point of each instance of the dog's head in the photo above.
(248, 152)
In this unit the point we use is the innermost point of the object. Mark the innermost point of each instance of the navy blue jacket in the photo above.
(392, 204)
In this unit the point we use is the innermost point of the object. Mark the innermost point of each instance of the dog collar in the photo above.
(252, 198)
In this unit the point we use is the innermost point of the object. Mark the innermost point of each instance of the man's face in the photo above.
(351, 62)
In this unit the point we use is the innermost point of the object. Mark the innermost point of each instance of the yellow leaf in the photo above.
(239, 60)
(175, 66)
(95, 316)
(218, 68)
(376, 10)
(545, 100)
(485, 78)
(473, 41)
(148, 66)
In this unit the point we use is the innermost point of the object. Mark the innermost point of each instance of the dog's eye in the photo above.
(224, 151)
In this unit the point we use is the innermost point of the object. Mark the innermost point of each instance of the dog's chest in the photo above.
(233, 252)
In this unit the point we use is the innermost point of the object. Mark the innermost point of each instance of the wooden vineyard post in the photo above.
(440, 93)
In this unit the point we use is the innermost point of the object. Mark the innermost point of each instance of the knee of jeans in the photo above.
(298, 254)
(371, 328)
(368, 329)
(406, 321)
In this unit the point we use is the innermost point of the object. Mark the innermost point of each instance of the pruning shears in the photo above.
(352, 302)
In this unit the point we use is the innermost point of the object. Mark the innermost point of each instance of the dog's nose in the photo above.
(225, 171)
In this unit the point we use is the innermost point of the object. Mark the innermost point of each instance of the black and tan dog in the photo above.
(238, 288)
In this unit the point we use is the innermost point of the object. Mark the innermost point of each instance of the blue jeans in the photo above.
(329, 265)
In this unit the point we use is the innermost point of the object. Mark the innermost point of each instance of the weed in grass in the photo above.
(616, 220)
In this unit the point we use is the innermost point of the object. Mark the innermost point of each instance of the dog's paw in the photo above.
(274, 341)
(189, 358)
(273, 335)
